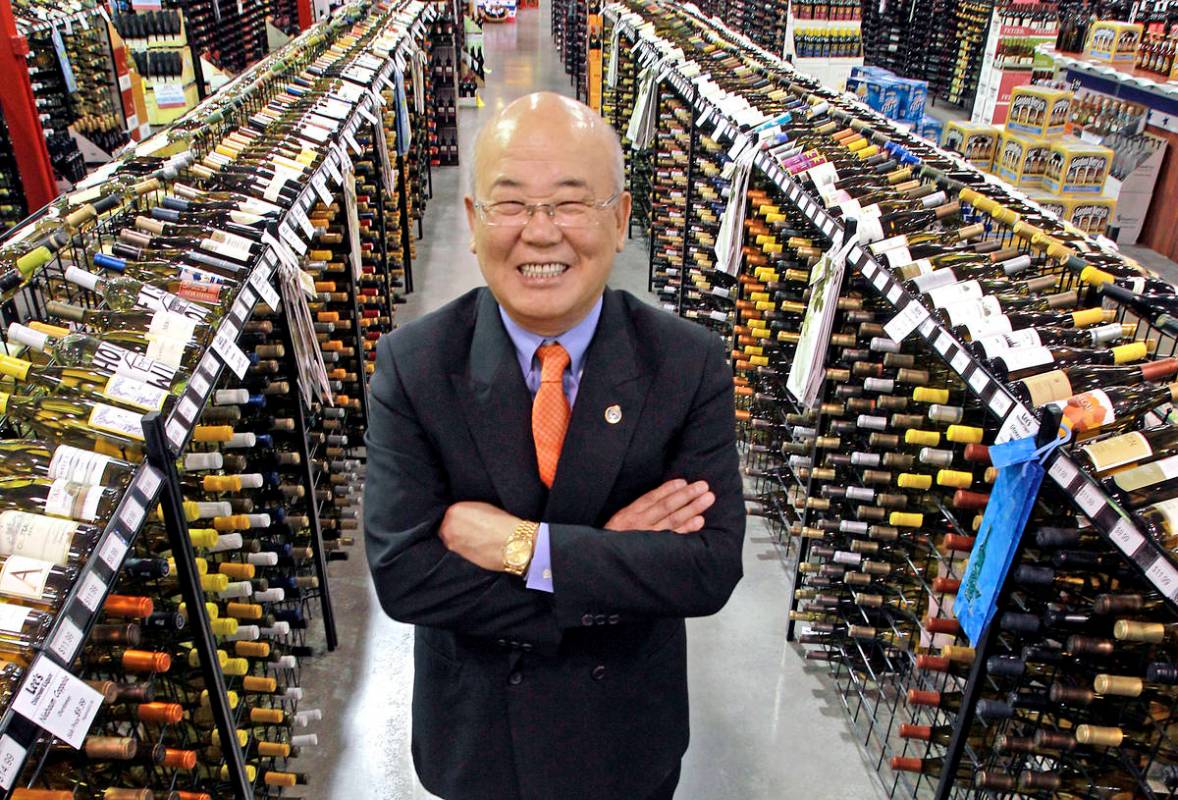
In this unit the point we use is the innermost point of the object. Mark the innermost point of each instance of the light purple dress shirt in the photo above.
(575, 341)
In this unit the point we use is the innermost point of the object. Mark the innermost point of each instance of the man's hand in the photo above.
(477, 532)
(676, 505)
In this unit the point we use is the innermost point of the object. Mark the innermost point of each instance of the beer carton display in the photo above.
(1040, 110)
(974, 141)
(1092, 215)
(1021, 158)
(1076, 167)
(915, 98)
(929, 128)
(897, 98)
(1110, 40)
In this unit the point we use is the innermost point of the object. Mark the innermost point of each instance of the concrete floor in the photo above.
(765, 726)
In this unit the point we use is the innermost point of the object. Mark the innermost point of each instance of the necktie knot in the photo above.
(554, 359)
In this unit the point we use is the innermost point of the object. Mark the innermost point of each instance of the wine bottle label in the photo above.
(1118, 451)
(919, 268)
(897, 256)
(850, 208)
(77, 465)
(24, 577)
(974, 312)
(245, 217)
(1168, 509)
(207, 293)
(152, 298)
(1048, 387)
(195, 275)
(13, 617)
(1026, 358)
(994, 346)
(116, 420)
(236, 248)
(166, 325)
(870, 230)
(167, 351)
(1097, 408)
(942, 292)
(119, 361)
(36, 536)
(135, 393)
(73, 500)
(989, 326)
(1131, 480)
(872, 211)
(899, 242)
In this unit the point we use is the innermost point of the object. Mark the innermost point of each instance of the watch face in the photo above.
(517, 552)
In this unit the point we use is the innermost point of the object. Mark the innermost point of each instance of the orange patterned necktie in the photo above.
(550, 410)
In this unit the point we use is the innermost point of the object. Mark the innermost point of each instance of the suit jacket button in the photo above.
(502, 643)
(599, 619)
(598, 672)
(614, 619)
(587, 619)
(515, 678)
(527, 646)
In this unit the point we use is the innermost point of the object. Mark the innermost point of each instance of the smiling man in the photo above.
(552, 487)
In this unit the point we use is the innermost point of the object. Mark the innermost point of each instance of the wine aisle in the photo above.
(763, 726)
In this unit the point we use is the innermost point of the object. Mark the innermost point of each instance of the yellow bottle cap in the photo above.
(925, 394)
(202, 537)
(212, 433)
(1096, 276)
(906, 519)
(16, 368)
(909, 480)
(236, 667)
(924, 438)
(959, 479)
(214, 583)
(223, 627)
(55, 331)
(1136, 351)
(964, 434)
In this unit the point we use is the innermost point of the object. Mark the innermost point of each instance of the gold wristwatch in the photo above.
(517, 550)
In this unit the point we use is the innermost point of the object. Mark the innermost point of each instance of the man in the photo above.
(552, 487)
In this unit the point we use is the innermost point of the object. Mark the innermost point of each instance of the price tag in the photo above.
(112, 550)
(869, 269)
(350, 138)
(880, 280)
(57, 702)
(927, 327)
(91, 590)
(234, 357)
(1126, 537)
(906, 321)
(199, 383)
(979, 380)
(319, 184)
(268, 293)
(132, 514)
(960, 361)
(1000, 404)
(300, 218)
(12, 759)
(209, 366)
(1019, 425)
(1164, 576)
(66, 641)
(186, 408)
(291, 238)
(176, 432)
(942, 344)
(149, 481)
(226, 335)
(333, 168)
(1090, 500)
(244, 304)
(828, 226)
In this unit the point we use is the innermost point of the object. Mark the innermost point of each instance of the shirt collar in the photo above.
(575, 340)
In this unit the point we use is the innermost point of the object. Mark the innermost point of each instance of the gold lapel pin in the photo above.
(613, 414)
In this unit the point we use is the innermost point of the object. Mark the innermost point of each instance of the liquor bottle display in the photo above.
(233, 275)
(962, 317)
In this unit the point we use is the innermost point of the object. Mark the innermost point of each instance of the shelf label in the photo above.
(132, 514)
(1164, 576)
(186, 408)
(148, 481)
(906, 321)
(1000, 404)
(91, 590)
(176, 431)
(112, 550)
(66, 641)
(57, 702)
(979, 380)
(319, 184)
(942, 344)
(960, 362)
(1019, 425)
(12, 759)
(1062, 472)
(292, 239)
(199, 383)
(1126, 537)
(268, 293)
(1090, 500)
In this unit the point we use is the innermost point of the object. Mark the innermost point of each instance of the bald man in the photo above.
(552, 487)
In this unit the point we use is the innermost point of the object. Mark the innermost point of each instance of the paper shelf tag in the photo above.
(66, 641)
(12, 759)
(1126, 537)
(112, 550)
(57, 702)
(91, 590)
(1164, 576)
(906, 321)
(1089, 499)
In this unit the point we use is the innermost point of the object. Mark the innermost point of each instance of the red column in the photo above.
(20, 112)
(306, 14)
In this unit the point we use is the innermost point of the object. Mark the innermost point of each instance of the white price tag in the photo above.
(1090, 500)
(906, 321)
(66, 641)
(209, 366)
(244, 304)
(1000, 404)
(880, 281)
(291, 238)
(91, 590)
(176, 431)
(319, 184)
(148, 481)
(300, 218)
(132, 514)
(1062, 472)
(12, 759)
(1164, 576)
(960, 361)
(978, 380)
(186, 408)
(57, 702)
(1126, 537)
(112, 550)
(200, 383)
(942, 344)
(869, 269)
(894, 294)
(268, 293)
(226, 335)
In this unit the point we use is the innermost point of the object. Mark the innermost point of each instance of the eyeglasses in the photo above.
(566, 214)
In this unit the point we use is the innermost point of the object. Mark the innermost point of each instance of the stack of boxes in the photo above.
(897, 98)
(1033, 152)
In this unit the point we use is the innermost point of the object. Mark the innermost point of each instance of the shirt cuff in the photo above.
(539, 573)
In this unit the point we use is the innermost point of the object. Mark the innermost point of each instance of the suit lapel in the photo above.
(595, 446)
(498, 410)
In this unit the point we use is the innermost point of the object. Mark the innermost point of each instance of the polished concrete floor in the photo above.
(764, 725)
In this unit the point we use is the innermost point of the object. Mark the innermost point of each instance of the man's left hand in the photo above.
(478, 532)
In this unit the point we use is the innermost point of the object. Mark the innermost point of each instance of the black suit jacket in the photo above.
(581, 693)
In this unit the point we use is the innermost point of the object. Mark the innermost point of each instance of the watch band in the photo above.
(517, 550)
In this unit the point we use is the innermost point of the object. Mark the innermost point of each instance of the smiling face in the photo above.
(545, 148)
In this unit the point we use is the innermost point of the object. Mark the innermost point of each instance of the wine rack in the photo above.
(302, 511)
(913, 709)
(12, 200)
(444, 70)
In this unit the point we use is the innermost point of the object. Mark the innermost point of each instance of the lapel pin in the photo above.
(613, 414)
